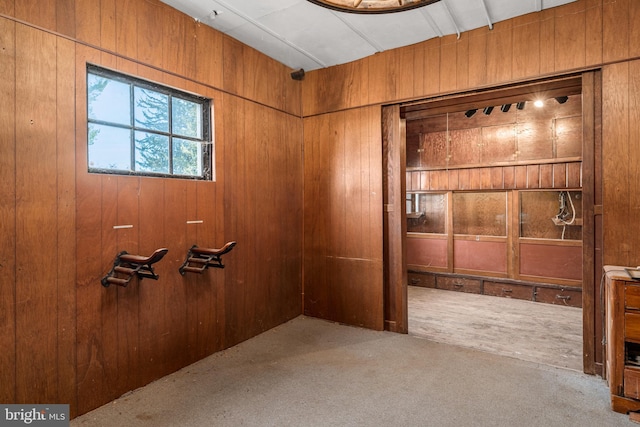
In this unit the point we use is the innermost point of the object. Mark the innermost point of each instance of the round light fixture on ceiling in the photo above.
(372, 6)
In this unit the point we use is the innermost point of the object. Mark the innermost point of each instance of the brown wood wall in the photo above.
(343, 193)
(582, 35)
(65, 338)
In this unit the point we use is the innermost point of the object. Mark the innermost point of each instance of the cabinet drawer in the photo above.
(423, 280)
(632, 383)
(632, 297)
(565, 296)
(458, 284)
(508, 290)
(632, 326)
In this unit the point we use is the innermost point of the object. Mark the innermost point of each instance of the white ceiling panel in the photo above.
(301, 34)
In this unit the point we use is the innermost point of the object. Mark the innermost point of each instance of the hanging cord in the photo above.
(563, 212)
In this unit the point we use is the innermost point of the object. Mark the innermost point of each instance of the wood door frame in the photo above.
(394, 190)
(394, 257)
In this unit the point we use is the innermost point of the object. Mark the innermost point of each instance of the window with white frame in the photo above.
(137, 127)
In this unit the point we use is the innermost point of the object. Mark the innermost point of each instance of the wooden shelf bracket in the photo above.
(126, 266)
(199, 259)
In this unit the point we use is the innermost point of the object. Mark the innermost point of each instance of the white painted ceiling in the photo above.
(301, 34)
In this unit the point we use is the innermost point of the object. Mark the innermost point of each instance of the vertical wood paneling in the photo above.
(66, 221)
(340, 204)
(408, 75)
(219, 222)
(209, 289)
(559, 175)
(89, 351)
(533, 176)
(126, 27)
(570, 36)
(36, 228)
(500, 52)
(448, 64)
(108, 38)
(191, 282)
(153, 321)
(315, 224)
(431, 67)
(462, 62)
(109, 321)
(7, 7)
(66, 17)
(41, 13)
(478, 57)
(615, 29)
(106, 341)
(546, 176)
(547, 41)
(634, 29)
(593, 24)
(127, 316)
(209, 53)
(526, 46)
(615, 163)
(175, 308)
(8, 210)
(87, 25)
(147, 47)
(634, 155)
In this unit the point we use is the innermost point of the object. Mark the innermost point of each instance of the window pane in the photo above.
(108, 100)
(480, 214)
(551, 214)
(428, 213)
(186, 118)
(109, 147)
(152, 152)
(151, 110)
(187, 157)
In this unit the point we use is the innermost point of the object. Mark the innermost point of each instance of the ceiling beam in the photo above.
(271, 33)
(431, 22)
(363, 36)
(453, 21)
(538, 5)
(486, 13)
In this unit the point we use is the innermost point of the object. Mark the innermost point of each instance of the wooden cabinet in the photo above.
(622, 319)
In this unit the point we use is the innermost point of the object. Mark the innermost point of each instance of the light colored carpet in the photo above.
(310, 372)
(541, 333)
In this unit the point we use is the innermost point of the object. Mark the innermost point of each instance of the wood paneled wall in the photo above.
(65, 338)
(585, 34)
(582, 34)
(342, 219)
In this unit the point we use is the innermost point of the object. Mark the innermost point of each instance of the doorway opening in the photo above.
(498, 196)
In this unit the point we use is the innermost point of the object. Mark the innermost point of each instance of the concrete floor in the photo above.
(542, 333)
(310, 372)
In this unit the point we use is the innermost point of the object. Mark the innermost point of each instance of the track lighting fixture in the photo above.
(470, 113)
(562, 99)
(505, 108)
(520, 105)
(487, 110)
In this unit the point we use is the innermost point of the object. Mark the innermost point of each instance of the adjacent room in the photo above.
(393, 199)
